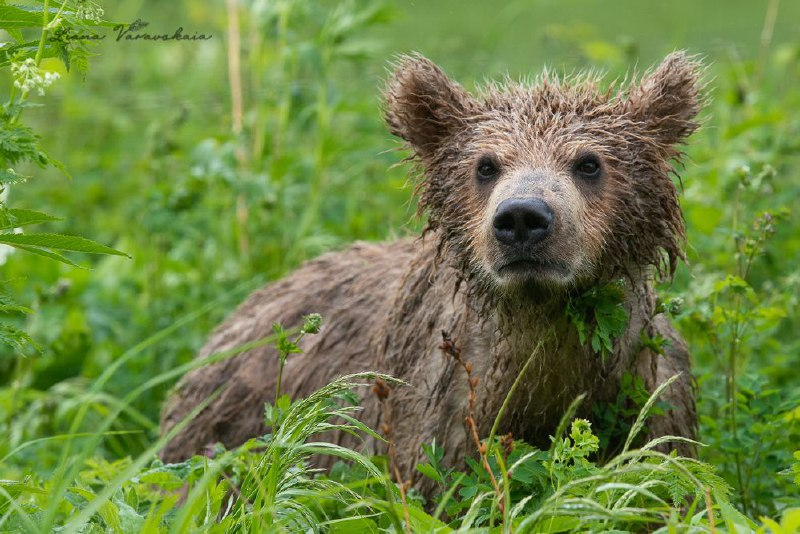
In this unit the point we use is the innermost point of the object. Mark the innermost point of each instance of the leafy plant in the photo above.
(733, 315)
(271, 477)
(616, 418)
(20, 145)
(599, 316)
(565, 489)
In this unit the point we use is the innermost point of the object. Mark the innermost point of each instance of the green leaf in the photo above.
(352, 525)
(560, 524)
(60, 166)
(63, 54)
(19, 143)
(733, 518)
(17, 339)
(14, 308)
(15, 34)
(16, 489)
(430, 472)
(29, 49)
(420, 521)
(165, 480)
(599, 315)
(108, 511)
(9, 177)
(14, 17)
(59, 242)
(655, 343)
(49, 254)
(734, 283)
(21, 217)
(130, 520)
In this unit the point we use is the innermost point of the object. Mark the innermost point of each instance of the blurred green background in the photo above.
(208, 213)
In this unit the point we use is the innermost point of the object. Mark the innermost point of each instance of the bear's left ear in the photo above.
(668, 99)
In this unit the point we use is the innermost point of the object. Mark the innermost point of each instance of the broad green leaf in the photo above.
(733, 518)
(16, 339)
(15, 33)
(130, 520)
(353, 525)
(165, 480)
(37, 13)
(155, 517)
(12, 308)
(732, 282)
(59, 242)
(14, 17)
(770, 313)
(790, 521)
(16, 489)
(22, 217)
(49, 254)
(23, 50)
(108, 511)
(20, 143)
(558, 524)
(422, 522)
(772, 525)
(429, 472)
(9, 176)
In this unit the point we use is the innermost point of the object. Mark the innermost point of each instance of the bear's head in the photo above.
(552, 185)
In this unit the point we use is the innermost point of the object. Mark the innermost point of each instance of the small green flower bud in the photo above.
(312, 323)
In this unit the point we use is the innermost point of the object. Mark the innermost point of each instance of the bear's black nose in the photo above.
(522, 221)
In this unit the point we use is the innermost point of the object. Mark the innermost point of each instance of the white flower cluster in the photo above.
(28, 76)
(89, 11)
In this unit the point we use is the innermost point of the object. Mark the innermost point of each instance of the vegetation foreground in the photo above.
(83, 374)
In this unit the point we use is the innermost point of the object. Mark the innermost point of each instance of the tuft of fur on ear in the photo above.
(667, 100)
(422, 105)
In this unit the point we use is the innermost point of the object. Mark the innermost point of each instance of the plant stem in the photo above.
(766, 40)
(281, 362)
(234, 67)
(37, 60)
(237, 118)
(511, 391)
(733, 356)
(288, 73)
(272, 484)
(316, 194)
(43, 39)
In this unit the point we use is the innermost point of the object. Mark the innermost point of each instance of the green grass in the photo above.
(208, 213)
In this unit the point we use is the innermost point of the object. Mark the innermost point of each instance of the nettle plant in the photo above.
(732, 317)
(31, 37)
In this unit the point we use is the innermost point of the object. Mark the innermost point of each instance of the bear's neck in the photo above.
(533, 331)
(498, 339)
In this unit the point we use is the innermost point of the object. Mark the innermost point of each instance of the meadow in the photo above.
(193, 182)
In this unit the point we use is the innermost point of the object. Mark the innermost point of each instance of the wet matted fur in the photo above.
(386, 305)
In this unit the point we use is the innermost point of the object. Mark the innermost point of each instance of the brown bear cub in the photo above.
(534, 194)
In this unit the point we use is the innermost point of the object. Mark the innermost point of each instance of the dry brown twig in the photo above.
(710, 511)
(450, 348)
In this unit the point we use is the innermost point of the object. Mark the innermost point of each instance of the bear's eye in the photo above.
(588, 166)
(487, 169)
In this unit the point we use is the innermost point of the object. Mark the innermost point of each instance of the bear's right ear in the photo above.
(422, 105)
